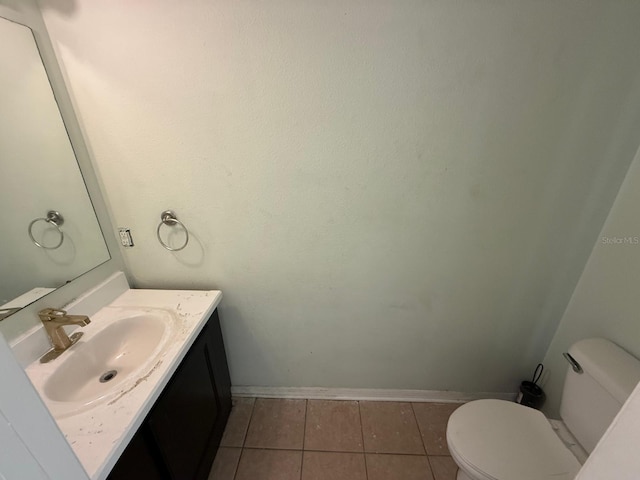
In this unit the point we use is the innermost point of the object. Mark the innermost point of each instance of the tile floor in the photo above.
(278, 439)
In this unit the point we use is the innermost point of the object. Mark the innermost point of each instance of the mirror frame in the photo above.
(18, 324)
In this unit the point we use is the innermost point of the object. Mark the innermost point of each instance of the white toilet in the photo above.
(500, 440)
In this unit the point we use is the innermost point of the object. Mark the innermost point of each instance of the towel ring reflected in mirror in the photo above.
(169, 218)
(54, 219)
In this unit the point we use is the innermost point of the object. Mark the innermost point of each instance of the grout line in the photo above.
(304, 435)
(366, 469)
(304, 427)
(350, 452)
(433, 475)
(275, 449)
(415, 417)
(244, 440)
(246, 433)
(364, 449)
(341, 451)
(235, 472)
(297, 450)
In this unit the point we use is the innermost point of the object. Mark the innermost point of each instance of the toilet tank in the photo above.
(590, 400)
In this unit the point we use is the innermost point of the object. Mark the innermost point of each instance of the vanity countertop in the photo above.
(99, 436)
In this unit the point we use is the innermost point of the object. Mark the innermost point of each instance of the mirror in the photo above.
(41, 251)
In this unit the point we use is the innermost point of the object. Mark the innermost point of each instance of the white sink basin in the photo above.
(111, 359)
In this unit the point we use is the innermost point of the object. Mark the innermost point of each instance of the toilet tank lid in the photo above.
(614, 369)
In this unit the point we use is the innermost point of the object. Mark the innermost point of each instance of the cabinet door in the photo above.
(140, 460)
(185, 415)
(222, 379)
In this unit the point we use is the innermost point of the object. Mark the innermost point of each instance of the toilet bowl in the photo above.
(509, 442)
(500, 440)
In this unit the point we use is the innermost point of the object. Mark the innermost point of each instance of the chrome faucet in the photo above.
(53, 321)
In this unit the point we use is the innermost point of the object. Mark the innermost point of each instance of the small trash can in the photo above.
(531, 395)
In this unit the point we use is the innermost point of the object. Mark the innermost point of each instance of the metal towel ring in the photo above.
(53, 218)
(169, 218)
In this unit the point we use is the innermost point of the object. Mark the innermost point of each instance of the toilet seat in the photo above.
(500, 440)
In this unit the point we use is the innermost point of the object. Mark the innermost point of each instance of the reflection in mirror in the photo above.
(40, 175)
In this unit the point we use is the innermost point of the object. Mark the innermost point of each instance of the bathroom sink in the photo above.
(110, 360)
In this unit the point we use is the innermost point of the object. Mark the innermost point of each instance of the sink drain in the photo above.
(106, 376)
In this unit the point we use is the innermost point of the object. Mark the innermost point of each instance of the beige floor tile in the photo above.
(277, 423)
(256, 464)
(333, 466)
(238, 422)
(444, 468)
(225, 464)
(398, 467)
(390, 427)
(432, 420)
(333, 426)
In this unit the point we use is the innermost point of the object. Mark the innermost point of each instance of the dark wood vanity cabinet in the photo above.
(179, 438)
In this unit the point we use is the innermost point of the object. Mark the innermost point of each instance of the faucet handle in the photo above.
(50, 314)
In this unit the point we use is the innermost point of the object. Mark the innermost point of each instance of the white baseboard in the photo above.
(379, 394)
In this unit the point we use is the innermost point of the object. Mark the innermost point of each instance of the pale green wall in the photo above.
(390, 194)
